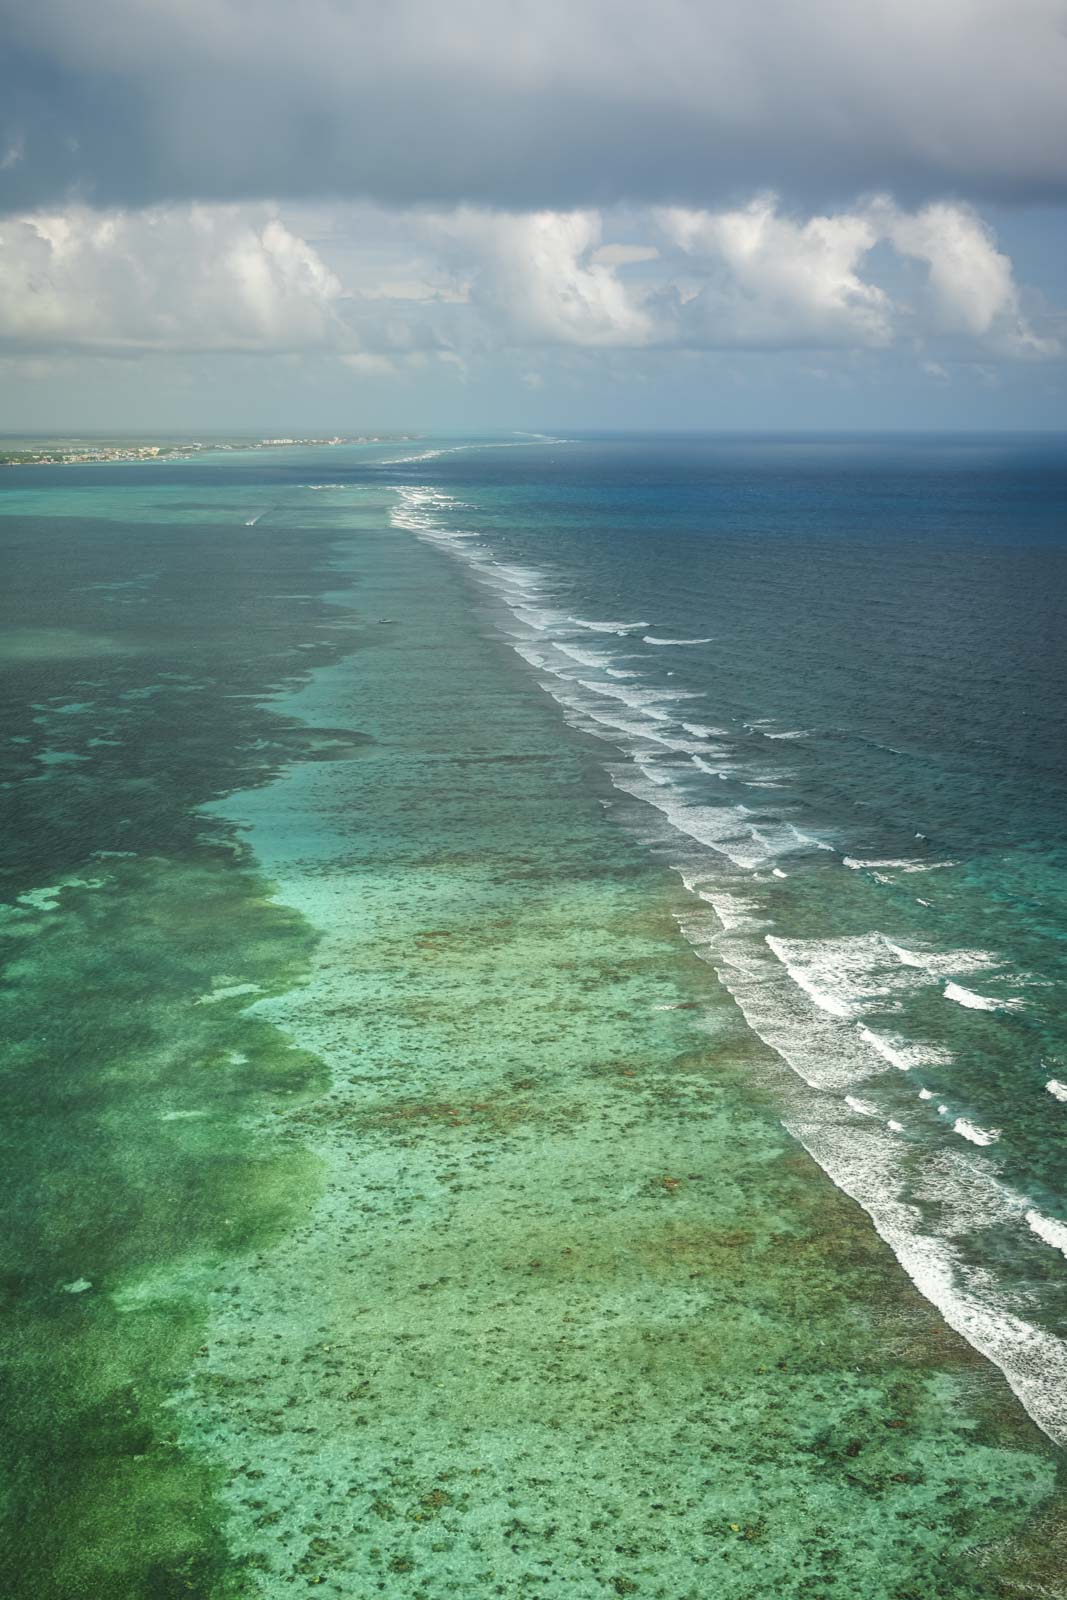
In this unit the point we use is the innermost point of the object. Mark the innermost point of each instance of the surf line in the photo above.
(1032, 1361)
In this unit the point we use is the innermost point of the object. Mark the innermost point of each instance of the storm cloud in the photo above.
(607, 211)
(532, 104)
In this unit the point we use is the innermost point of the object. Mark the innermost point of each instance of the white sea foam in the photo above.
(598, 659)
(968, 1194)
(415, 511)
(743, 836)
(693, 877)
(724, 764)
(713, 772)
(612, 726)
(508, 576)
(977, 1002)
(970, 1130)
(423, 455)
(541, 653)
(851, 973)
(905, 957)
(902, 1053)
(810, 840)
(532, 656)
(1056, 1089)
(817, 1032)
(453, 449)
(607, 627)
(541, 621)
(862, 1161)
(651, 639)
(824, 1049)
(732, 910)
(652, 773)
(803, 976)
(447, 450)
(896, 864)
(1048, 1229)
(938, 964)
(648, 701)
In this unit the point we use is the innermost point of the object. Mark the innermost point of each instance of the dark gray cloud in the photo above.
(528, 103)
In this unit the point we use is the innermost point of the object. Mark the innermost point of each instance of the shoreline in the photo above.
(82, 453)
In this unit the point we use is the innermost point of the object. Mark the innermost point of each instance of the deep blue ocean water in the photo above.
(829, 676)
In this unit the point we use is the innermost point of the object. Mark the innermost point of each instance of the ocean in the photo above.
(536, 1049)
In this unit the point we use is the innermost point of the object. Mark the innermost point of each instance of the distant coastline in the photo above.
(73, 452)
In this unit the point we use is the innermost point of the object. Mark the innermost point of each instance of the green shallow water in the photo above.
(441, 1234)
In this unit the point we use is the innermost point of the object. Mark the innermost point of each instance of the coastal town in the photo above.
(82, 452)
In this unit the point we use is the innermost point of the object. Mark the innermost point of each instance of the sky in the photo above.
(352, 215)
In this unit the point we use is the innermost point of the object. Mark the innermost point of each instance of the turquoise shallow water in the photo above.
(402, 1205)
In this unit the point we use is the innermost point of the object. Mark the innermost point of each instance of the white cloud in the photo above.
(971, 286)
(760, 278)
(772, 281)
(540, 278)
(178, 278)
(385, 291)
